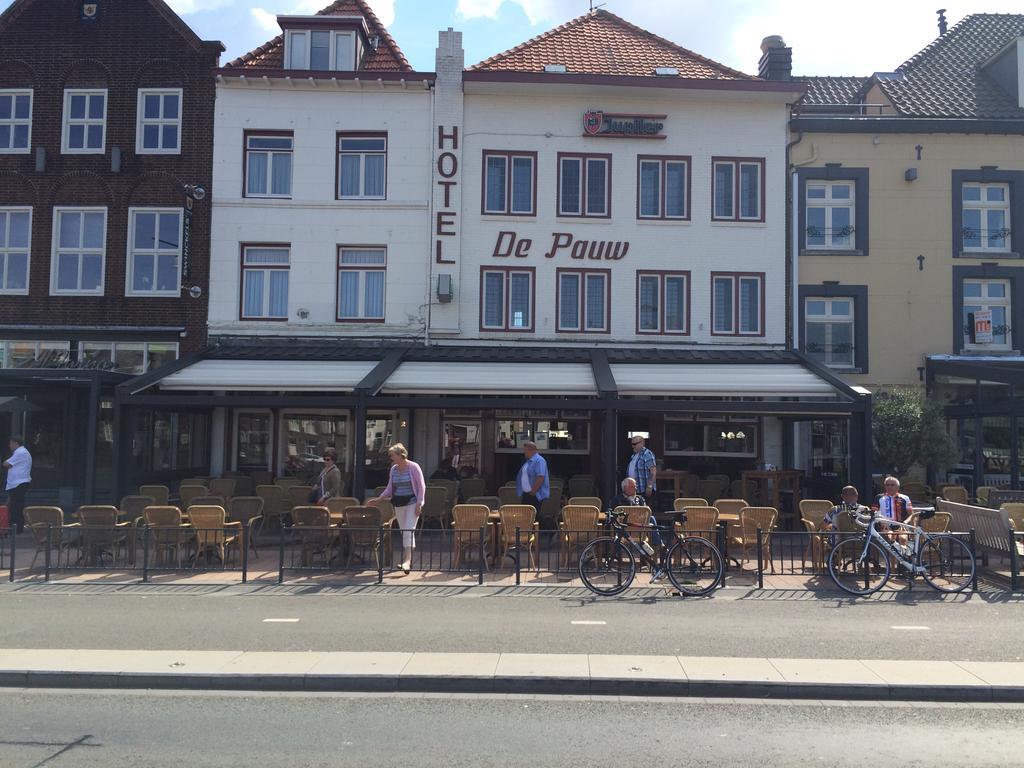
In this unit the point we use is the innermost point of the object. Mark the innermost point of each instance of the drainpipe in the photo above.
(791, 244)
(430, 220)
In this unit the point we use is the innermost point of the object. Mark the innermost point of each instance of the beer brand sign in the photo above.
(608, 125)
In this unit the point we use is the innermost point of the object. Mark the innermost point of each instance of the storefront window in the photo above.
(161, 354)
(130, 358)
(715, 438)
(829, 449)
(167, 441)
(307, 436)
(253, 441)
(105, 446)
(20, 353)
(995, 449)
(461, 449)
(550, 435)
(96, 352)
(1020, 449)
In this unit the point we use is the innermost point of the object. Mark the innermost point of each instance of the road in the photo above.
(796, 625)
(75, 729)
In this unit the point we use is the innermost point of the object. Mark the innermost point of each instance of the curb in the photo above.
(506, 684)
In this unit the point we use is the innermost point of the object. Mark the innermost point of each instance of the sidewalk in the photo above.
(578, 674)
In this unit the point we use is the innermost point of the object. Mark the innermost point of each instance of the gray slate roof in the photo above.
(946, 79)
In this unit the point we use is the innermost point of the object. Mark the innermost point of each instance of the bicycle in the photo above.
(608, 564)
(861, 564)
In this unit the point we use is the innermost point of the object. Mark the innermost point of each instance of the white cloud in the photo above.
(537, 11)
(266, 20)
(385, 10)
(184, 7)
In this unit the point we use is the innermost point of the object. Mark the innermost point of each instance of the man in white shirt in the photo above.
(19, 475)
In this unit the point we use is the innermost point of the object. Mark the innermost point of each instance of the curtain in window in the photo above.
(675, 189)
(257, 181)
(675, 304)
(750, 305)
(750, 191)
(348, 303)
(353, 256)
(569, 300)
(595, 302)
(723, 305)
(349, 176)
(519, 300)
(649, 303)
(374, 170)
(373, 301)
(281, 180)
(596, 177)
(495, 193)
(494, 299)
(522, 185)
(278, 293)
(252, 293)
(723, 191)
(570, 191)
(650, 189)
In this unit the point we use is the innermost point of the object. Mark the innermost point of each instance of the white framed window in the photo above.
(79, 251)
(663, 302)
(268, 165)
(662, 187)
(506, 301)
(158, 128)
(265, 282)
(831, 215)
(15, 250)
(829, 330)
(321, 50)
(128, 356)
(510, 183)
(16, 354)
(583, 300)
(85, 122)
(993, 296)
(362, 166)
(361, 281)
(154, 251)
(737, 304)
(15, 121)
(584, 185)
(986, 216)
(737, 192)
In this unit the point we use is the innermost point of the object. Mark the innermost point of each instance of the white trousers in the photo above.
(406, 517)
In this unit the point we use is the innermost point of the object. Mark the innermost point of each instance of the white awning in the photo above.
(458, 378)
(719, 380)
(271, 375)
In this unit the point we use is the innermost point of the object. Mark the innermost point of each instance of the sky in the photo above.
(849, 38)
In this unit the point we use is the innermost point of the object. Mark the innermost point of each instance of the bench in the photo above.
(992, 533)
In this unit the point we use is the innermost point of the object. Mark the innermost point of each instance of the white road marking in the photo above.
(280, 621)
(589, 623)
(911, 628)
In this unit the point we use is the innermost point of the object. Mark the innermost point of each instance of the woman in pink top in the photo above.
(406, 489)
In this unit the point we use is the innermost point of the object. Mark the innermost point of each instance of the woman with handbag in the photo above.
(406, 489)
(329, 482)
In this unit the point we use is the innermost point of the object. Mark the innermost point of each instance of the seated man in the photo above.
(849, 506)
(893, 505)
(627, 497)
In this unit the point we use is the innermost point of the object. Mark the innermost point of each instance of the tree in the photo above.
(909, 429)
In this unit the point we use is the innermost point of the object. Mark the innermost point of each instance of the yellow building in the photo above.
(908, 233)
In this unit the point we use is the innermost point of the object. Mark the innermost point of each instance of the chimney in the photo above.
(942, 21)
(776, 59)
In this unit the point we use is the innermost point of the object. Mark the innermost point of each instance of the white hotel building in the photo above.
(573, 241)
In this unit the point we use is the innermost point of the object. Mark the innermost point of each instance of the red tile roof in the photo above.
(601, 43)
(387, 58)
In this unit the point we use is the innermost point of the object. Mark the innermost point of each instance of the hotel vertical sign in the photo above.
(446, 217)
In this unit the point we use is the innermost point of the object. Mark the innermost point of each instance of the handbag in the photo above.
(317, 491)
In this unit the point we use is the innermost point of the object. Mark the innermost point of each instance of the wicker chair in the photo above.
(285, 482)
(509, 494)
(637, 518)
(955, 493)
(469, 519)
(938, 523)
(388, 519)
(161, 494)
(298, 496)
(710, 489)
(681, 504)
(815, 510)
(523, 517)
(223, 487)
(248, 510)
(451, 488)
(752, 518)
(701, 520)
(131, 507)
(363, 532)
(549, 514)
(262, 477)
(585, 501)
(435, 507)
(472, 486)
(579, 527)
(206, 501)
(1014, 511)
(50, 533)
(491, 502)
(275, 502)
(213, 532)
(103, 535)
(167, 535)
(338, 504)
(316, 534)
(188, 493)
(581, 485)
(982, 493)
(815, 549)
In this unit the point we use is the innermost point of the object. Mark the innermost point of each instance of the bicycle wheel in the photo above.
(856, 571)
(694, 565)
(607, 567)
(948, 563)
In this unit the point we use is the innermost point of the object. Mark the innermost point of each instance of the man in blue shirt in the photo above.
(643, 467)
(533, 482)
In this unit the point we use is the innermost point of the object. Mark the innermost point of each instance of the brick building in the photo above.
(106, 132)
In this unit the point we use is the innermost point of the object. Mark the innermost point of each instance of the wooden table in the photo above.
(676, 478)
(777, 480)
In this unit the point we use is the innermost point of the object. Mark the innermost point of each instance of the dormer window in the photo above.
(321, 50)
